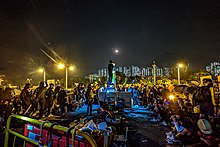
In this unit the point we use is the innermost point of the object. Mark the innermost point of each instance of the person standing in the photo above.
(135, 94)
(205, 100)
(89, 99)
(110, 70)
(25, 96)
(61, 98)
(49, 98)
(40, 96)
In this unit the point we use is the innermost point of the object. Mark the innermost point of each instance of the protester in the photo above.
(89, 99)
(61, 99)
(40, 97)
(49, 98)
(26, 97)
(8, 94)
(135, 96)
(204, 98)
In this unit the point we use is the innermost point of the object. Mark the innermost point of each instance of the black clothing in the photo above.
(61, 99)
(204, 98)
(25, 98)
(40, 96)
(49, 99)
(89, 100)
(110, 69)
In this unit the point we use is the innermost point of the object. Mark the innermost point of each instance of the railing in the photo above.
(75, 130)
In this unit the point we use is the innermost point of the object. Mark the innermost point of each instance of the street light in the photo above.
(42, 70)
(62, 66)
(154, 72)
(178, 72)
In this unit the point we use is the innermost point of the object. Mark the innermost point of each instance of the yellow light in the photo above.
(71, 68)
(60, 66)
(180, 65)
(171, 97)
(41, 70)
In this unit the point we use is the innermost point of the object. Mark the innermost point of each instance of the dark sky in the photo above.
(85, 32)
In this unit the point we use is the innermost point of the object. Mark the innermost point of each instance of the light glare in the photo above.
(71, 68)
(180, 65)
(61, 66)
(41, 70)
(171, 97)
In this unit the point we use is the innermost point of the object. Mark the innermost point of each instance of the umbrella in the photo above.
(194, 83)
(181, 88)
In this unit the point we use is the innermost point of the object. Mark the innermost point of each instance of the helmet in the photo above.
(196, 109)
(204, 126)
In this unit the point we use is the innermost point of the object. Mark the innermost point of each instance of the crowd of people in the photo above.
(47, 100)
(188, 116)
(192, 119)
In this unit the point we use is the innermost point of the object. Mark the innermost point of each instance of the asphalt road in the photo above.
(146, 134)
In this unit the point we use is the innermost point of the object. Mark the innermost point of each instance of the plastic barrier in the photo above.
(35, 136)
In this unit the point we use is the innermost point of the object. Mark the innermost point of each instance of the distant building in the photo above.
(166, 71)
(214, 68)
(134, 71)
(102, 72)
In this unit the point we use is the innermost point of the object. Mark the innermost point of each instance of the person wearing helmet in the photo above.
(205, 132)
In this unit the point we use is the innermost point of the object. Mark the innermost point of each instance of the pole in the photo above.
(66, 77)
(44, 76)
(154, 72)
(178, 72)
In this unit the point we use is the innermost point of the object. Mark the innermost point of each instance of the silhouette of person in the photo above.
(110, 69)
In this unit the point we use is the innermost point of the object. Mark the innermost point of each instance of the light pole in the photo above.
(62, 66)
(178, 72)
(154, 72)
(42, 70)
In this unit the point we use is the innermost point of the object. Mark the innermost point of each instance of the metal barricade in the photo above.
(63, 129)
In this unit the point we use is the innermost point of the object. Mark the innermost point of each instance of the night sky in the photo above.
(85, 33)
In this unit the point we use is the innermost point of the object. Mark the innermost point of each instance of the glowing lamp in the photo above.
(41, 70)
(171, 97)
(61, 66)
(180, 65)
(71, 68)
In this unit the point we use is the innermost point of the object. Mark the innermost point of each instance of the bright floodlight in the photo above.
(61, 66)
(71, 68)
(180, 65)
(171, 97)
(41, 70)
